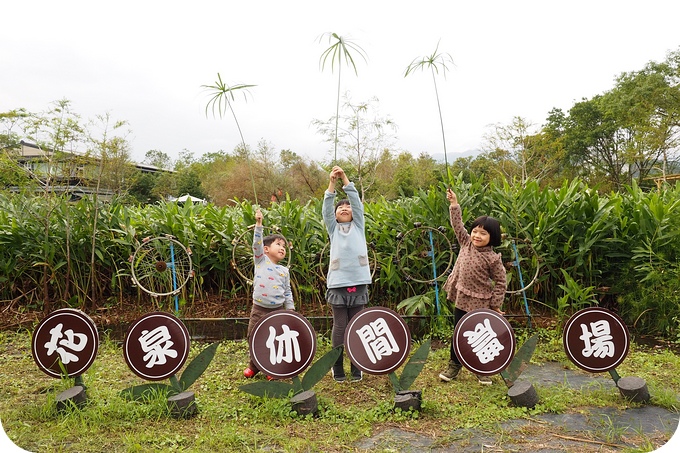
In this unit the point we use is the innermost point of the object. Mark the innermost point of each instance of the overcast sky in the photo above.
(145, 61)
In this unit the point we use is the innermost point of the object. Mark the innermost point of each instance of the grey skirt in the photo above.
(350, 296)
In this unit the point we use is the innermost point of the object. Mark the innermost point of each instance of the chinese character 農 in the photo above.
(484, 342)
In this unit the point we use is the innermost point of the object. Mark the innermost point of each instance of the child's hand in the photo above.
(498, 310)
(258, 217)
(340, 173)
(451, 196)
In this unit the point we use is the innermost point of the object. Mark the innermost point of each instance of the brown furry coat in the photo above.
(478, 277)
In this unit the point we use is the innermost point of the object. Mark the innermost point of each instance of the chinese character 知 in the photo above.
(73, 341)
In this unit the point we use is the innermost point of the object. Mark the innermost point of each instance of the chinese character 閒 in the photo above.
(378, 340)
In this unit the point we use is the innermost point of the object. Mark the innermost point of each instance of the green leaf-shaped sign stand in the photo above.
(279, 389)
(191, 373)
(412, 368)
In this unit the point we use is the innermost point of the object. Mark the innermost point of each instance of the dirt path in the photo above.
(592, 429)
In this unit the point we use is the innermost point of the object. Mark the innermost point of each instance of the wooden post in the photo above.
(523, 393)
(75, 395)
(305, 403)
(183, 405)
(634, 388)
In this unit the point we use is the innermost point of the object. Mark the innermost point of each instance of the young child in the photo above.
(478, 277)
(349, 273)
(271, 282)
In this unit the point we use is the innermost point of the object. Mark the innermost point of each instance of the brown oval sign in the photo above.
(596, 339)
(484, 342)
(283, 344)
(377, 340)
(156, 346)
(66, 338)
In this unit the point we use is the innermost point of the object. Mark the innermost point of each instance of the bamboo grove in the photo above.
(621, 249)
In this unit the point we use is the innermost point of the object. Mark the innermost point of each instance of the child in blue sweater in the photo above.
(349, 272)
(271, 281)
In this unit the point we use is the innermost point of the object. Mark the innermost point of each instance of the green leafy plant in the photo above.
(191, 373)
(221, 100)
(280, 389)
(575, 296)
(434, 62)
(340, 50)
(412, 368)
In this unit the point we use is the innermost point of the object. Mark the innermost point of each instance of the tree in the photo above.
(304, 178)
(434, 62)
(363, 136)
(340, 50)
(520, 151)
(594, 142)
(15, 118)
(158, 159)
(647, 103)
(111, 148)
(189, 182)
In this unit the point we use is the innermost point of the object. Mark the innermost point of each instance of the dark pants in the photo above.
(341, 317)
(457, 315)
(257, 313)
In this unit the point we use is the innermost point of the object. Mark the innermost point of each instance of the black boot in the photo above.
(338, 371)
(357, 375)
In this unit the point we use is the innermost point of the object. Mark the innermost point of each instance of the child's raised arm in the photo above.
(451, 196)
(258, 217)
(340, 173)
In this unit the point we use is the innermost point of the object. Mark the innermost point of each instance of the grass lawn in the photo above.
(232, 420)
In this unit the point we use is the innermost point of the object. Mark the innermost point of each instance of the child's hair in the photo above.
(267, 241)
(341, 202)
(491, 226)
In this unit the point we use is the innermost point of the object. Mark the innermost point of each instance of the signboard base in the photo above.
(183, 405)
(523, 394)
(305, 403)
(75, 396)
(408, 400)
(634, 389)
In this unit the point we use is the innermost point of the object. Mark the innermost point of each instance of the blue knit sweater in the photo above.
(348, 264)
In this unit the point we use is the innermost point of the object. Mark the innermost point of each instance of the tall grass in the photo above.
(624, 245)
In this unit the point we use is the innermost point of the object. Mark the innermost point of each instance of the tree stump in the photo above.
(408, 400)
(523, 393)
(73, 396)
(634, 388)
(305, 403)
(183, 405)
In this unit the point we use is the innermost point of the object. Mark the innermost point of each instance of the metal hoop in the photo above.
(161, 266)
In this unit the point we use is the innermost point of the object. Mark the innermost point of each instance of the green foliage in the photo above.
(319, 369)
(191, 373)
(197, 366)
(575, 296)
(620, 246)
(280, 389)
(412, 368)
